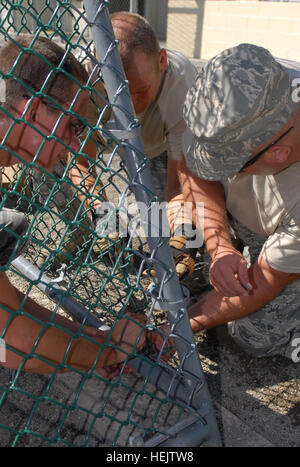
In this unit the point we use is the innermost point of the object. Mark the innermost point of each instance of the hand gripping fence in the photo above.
(97, 292)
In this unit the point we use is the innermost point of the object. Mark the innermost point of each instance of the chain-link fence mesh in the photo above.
(84, 232)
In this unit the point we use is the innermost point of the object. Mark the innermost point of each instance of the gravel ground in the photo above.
(81, 409)
(260, 395)
(78, 409)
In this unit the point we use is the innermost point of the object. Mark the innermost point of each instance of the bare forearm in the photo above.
(40, 337)
(43, 314)
(216, 232)
(211, 194)
(41, 347)
(215, 309)
(38, 341)
(63, 352)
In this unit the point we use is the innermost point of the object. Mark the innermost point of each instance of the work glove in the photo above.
(109, 242)
(184, 258)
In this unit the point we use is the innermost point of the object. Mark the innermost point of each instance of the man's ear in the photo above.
(280, 153)
(163, 60)
(30, 114)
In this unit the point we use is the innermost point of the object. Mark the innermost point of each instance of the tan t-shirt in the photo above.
(270, 206)
(162, 122)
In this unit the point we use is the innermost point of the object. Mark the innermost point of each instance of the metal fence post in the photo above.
(172, 298)
(133, 6)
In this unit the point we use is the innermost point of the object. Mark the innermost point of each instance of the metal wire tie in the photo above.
(166, 305)
(129, 134)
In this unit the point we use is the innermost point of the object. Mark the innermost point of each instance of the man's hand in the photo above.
(184, 258)
(162, 342)
(128, 336)
(111, 371)
(228, 273)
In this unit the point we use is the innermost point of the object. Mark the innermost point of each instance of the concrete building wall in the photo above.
(203, 28)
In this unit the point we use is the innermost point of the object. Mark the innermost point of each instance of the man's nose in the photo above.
(135, 101)
(75, 144)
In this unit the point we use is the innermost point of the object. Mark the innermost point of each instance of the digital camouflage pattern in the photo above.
(273, 328)
(240, 99)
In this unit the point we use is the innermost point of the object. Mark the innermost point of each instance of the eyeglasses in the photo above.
(255, 158)
(78, 125)
(47, 103)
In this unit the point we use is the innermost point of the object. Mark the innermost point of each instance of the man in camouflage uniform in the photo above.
(242, 155)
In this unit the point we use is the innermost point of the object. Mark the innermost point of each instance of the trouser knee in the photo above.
(263, 339)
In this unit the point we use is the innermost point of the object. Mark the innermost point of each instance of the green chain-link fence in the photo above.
(80, 258)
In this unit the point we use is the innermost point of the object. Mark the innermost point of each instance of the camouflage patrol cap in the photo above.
(240, 99)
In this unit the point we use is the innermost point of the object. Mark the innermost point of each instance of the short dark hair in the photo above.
(133, 31)
(32, 64)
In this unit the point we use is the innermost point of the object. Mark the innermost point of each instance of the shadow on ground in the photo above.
(257, 400)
